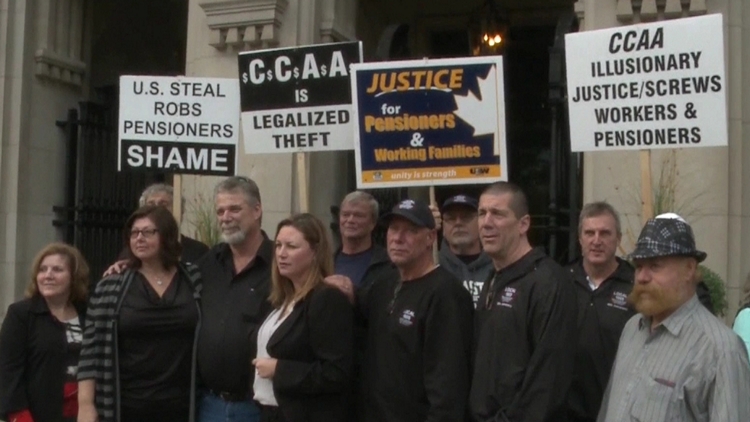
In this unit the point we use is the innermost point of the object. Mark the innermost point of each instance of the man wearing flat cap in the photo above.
(418, 353)
(676, 361)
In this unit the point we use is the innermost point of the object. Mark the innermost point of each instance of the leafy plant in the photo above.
(202, 216)
(716, 287)
(670, 195)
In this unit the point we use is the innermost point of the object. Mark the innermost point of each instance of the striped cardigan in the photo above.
(99, 357)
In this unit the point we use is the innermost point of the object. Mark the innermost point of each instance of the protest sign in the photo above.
(648, 86)
(297, 99)
(177, 124)
(429, 122)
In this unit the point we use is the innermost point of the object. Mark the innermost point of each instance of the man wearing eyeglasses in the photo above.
(525, 322)
(461, 252)
(417, 360)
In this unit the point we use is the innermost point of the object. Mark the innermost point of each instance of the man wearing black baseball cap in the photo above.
(461, 251)
(417, 359)
(676, 361)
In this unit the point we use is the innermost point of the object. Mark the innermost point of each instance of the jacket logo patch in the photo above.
(508, 297)
(619, 300)
(474, 288)
(407, 318)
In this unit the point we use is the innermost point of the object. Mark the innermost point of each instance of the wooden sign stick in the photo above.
(302, 181)
(647, 196)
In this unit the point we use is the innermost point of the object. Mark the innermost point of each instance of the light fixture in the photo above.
(488, 29)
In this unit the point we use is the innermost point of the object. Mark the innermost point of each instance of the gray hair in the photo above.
(243, 184)
(596, 209)
(361, 196)
(154, 189)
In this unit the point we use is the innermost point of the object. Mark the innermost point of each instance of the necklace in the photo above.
(159, 282)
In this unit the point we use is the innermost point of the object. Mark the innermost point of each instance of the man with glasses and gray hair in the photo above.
(525, 332)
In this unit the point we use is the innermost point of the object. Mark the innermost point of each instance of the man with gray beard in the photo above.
(236, 284)
(461, 252)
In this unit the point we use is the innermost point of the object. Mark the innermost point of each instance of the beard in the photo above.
(233, 237)
(652, 299)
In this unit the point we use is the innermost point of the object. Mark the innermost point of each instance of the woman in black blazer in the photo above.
(40, 340)
(305, 346)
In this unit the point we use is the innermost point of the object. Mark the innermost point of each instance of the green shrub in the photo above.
(717, 289)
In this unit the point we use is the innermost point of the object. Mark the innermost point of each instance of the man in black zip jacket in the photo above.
(362, 262)
(602, 283)
(417, 360)
(525, 320)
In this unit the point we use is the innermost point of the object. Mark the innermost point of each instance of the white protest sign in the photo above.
(178, 124)
(648, 86)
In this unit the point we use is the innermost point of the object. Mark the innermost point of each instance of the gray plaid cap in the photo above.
(666, 237)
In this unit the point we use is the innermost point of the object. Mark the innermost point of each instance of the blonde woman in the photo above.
(305, 346)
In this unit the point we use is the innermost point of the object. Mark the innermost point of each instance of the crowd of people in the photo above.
(289, 330)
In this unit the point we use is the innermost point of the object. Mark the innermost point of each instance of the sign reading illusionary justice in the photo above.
(647, 86)
(298, 99)
(177, 124)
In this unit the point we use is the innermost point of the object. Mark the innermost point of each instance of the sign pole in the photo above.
(302, 181)
(433, 202)
(647, 197)
(177, 198)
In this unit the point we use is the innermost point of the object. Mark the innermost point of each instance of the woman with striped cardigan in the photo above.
(139, 342)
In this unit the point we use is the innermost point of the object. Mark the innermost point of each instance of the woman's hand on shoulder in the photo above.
(343, 283)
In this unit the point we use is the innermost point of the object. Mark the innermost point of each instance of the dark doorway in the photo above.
(137, 37)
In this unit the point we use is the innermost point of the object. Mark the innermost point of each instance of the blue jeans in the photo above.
(214, 409)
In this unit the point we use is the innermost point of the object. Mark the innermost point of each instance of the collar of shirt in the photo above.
(674, 322)
(265, 253)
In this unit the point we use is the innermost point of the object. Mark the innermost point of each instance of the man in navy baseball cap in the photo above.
(461, 251)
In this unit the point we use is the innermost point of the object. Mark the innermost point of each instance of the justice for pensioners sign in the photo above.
(178, 124)
(647, 86)
(298, 99)
(436, 122)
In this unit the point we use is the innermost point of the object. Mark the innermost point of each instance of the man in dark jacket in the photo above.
(461, 252)
(525, 322)
(602, 283)
(362, 262)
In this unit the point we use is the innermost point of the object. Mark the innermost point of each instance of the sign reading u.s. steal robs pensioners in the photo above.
(429, 122)
(297, 99)
(177, 124)
(648, 86)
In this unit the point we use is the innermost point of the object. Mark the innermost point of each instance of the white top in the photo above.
(263, 387)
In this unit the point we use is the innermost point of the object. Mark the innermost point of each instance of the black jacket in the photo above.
(417, 364)
(379, 268)
(192, 250)
(314, 351)
(525, 343)
(602, 315)
(33, 348)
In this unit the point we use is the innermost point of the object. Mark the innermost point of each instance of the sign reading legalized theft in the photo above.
(436, 122)
(646, 86)
(298, 99)
(177, 124)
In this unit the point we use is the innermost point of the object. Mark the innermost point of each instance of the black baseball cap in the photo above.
(418, 212)
(462, 200)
